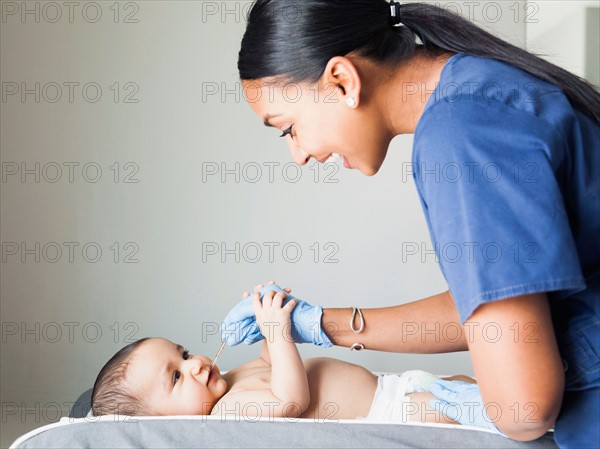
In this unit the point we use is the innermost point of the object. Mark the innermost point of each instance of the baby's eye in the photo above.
(287, 131)
(186, 354)
(176, 376)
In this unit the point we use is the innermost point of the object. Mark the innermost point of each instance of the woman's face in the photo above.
(172, 381)
(318, 121)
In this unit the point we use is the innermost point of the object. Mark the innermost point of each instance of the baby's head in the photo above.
(154, 376)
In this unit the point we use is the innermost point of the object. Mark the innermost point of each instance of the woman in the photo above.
(506, 161)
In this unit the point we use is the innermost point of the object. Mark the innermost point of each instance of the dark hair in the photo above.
(293, 41)
(110, 394)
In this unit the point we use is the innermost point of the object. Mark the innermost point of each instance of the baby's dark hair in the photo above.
(111, 394)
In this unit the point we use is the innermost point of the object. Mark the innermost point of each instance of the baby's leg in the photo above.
(419, 409)
(461, 377)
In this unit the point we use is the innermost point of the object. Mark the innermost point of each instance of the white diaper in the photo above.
(390, 401)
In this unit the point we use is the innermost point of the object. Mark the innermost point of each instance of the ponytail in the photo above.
(293, 41)
(438, 28)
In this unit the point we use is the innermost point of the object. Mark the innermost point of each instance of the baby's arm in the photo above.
(289, 393)
(288, 375)
(264, 352)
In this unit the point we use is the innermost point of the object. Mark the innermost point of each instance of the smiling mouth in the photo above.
(345, 163)
(211, 373)
(325, 159)
(334, 157)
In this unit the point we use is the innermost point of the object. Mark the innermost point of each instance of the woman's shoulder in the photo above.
(483, 103)
(467, 81)
(477, 71)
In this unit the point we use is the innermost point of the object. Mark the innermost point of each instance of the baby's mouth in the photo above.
(212, 373)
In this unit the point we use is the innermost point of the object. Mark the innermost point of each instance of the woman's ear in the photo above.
(341, 74)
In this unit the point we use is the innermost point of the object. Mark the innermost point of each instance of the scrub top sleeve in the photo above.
(485, 173)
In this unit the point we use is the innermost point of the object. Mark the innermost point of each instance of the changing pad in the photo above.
(112, 431)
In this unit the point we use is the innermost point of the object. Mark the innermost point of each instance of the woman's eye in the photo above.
(287, 131)
(176, 376)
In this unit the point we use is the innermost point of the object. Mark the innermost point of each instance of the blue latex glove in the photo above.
(462, 402)
(240, 323)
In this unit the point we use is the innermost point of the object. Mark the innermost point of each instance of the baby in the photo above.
(154, 376)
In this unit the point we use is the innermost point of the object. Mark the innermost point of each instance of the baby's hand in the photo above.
(257, 287)
(273, 319)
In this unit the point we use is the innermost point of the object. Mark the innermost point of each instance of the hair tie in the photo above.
(395, 13)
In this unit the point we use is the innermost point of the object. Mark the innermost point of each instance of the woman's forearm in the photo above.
(429, 325)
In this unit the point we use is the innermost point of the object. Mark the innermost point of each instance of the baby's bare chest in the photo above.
(338, 390)
(257, 378)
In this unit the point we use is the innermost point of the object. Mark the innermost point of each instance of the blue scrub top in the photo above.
(508, 175)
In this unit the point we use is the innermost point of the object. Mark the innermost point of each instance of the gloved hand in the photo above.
(462, 402)
(240, 323)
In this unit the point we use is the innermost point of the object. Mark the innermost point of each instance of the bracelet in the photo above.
(355, 310)
(362, 320)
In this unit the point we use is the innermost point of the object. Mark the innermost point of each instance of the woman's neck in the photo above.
(405, 92)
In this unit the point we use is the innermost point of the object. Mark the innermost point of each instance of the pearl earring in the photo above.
(350, 102)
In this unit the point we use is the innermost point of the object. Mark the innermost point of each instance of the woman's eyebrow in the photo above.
(269, 117)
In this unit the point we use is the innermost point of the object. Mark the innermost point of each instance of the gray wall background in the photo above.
(122, 163)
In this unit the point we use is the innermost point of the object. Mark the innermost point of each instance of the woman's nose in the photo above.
(299, 156)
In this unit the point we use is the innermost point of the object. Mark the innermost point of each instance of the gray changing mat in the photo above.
(236, 432)
(216, 433)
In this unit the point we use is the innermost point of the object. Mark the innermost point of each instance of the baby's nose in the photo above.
(196, 365)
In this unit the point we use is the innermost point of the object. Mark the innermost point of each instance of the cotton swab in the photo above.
(217, 355)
